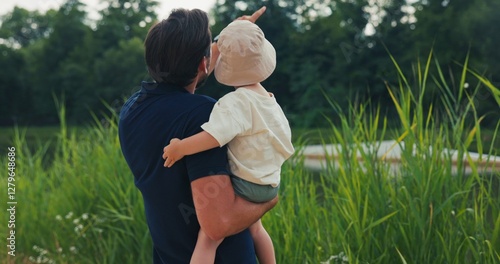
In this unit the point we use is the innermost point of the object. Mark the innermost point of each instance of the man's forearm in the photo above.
(244, 214)
(222, 213)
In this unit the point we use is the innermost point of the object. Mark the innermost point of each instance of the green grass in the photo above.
(33, 135)
(84, 208)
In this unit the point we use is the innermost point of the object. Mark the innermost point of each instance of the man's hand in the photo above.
(172, 153)
(254, 16)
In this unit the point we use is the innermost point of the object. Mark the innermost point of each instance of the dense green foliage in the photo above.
(63, 54)
(334, 48)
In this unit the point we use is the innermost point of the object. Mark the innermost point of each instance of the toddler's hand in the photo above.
(172, 153)
(254, 16)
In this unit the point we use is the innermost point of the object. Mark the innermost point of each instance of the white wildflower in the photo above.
(69, 215)
(85, 216)
(340, 258)
(73, 249)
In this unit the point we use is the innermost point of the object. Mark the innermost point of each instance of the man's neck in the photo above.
(191, 88)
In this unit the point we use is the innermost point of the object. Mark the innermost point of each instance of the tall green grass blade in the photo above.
(463, 77)
(494, 90)
(403, 260)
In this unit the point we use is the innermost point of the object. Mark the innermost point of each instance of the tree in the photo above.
(119, 72)
(457, 29)
(124, 20)
(48, 68)
(19, 30)
(333, 48)
(319, 54)
(14, 99)
(21, 27)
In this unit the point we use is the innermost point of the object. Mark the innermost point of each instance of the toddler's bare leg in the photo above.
(204, 251)
(263, 244)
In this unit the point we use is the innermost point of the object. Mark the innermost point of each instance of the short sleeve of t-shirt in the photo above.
(206, 163)
(230, 117)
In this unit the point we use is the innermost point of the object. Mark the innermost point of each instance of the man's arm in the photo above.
(220, 212)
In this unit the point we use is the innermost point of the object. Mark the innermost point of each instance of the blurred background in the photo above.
(89, 54)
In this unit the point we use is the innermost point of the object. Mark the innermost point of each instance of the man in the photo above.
(196, 191)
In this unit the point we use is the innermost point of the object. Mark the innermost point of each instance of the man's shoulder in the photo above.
(199, 98)
(182, 103)
(164, 94)
(197, 104)
(188, 103)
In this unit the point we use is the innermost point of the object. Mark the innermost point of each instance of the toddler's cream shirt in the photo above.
(257, 133)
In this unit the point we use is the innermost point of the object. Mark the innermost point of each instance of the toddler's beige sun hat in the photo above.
(246, 56)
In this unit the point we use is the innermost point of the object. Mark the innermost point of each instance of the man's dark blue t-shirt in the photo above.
(148, 120)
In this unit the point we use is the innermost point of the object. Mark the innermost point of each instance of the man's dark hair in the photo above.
(175, 46)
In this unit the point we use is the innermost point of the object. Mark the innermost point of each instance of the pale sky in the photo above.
(164, 8)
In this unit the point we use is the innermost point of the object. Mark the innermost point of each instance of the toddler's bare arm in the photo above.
(177, 148)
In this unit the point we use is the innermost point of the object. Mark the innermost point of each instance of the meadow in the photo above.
(84, 207)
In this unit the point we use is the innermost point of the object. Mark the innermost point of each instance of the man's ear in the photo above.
(203, 65)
